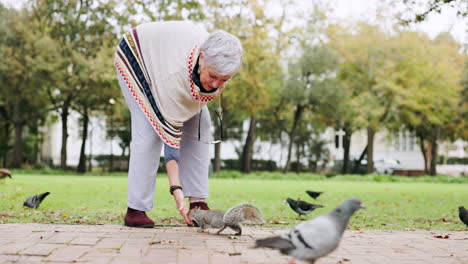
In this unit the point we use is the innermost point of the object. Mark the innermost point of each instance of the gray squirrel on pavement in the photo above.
(232, 218)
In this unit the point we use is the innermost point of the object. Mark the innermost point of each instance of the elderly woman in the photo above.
(168, 71)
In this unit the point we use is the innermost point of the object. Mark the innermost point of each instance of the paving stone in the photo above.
(134, 249)
(102, 252)
(161, 255)
(9, 258)
(109, 242)
(84, 240)
(26, 260)
(69, 253)
(97, 260)
(14, 248)
(40, 249)
(192, 256)
(61, 238)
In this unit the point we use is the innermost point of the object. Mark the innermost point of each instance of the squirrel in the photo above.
(232, 218)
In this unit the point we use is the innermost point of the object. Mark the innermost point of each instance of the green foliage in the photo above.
(29, 56)
(226, 174)
(452, 160)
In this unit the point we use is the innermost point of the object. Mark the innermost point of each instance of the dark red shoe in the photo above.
(135, 218)
(201, 206)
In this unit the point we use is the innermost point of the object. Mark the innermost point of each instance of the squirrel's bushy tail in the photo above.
(242, 212)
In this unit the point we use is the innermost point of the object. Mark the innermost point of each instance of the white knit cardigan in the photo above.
(166, 53)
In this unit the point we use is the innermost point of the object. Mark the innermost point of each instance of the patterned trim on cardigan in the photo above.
(149, 115)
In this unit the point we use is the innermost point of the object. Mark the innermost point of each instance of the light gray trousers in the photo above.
(145, 151)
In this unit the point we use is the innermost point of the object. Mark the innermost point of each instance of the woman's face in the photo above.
(209, 78)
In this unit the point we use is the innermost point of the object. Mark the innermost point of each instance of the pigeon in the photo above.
(315, 238)
(463, 214)
(301, 207)
(314, 194)
(35, 200)
(5, 173)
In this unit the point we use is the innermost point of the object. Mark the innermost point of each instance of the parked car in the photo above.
(386, 166)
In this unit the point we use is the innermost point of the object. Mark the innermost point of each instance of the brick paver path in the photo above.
(115, 244)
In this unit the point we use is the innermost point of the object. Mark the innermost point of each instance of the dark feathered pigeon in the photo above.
(35, 200)
(315, 238)
(463, 214)
(5, 173)
(301, 207)
(314, 194)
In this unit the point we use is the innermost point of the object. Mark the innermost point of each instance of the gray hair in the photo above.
(223, 52)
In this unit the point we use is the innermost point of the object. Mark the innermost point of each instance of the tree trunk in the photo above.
(426, 148)
(18, 140)
(5, 144)
(370, 150)
(434, 150)
(248, 147)
(82, 163)
(217, 147)
(298, 158)
(292, 135)
(357, 163)
(217, 157)
(424, 152)
(346, 149)
(64, 118)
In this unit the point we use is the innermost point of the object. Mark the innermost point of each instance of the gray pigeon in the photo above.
(463, 214)
(301, 207)
(35, 200)
(315, 238)
(5, 173)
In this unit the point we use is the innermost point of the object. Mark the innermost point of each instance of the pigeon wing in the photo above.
(315, 238)
(29, 201)
(304, 206)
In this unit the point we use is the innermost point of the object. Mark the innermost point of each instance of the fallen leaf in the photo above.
(357, 228)
(235, 254)
(279, 222)
(162, 242)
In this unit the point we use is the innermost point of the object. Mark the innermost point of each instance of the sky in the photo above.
(434, 24)
(353, 10)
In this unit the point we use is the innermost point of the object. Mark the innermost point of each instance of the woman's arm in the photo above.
(171, 156)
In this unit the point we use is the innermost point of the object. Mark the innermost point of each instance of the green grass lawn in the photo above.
(102, 200)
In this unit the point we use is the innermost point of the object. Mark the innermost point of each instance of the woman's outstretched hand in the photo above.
(181, 206)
